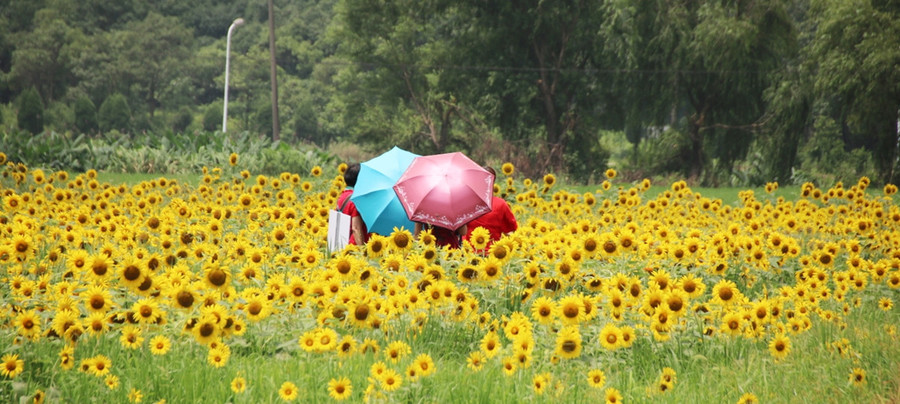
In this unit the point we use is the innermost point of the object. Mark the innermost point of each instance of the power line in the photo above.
(515, 69)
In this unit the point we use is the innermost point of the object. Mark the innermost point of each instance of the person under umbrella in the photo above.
(499, 221)
(358, 233)
(442, 235)
(444, 192)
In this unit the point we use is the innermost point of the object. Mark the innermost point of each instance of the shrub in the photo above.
(212, 117)
(114, 113)
(182, 119)
(31, 111)
(85, 115)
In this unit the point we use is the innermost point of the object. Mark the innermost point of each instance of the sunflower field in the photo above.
(223, 291)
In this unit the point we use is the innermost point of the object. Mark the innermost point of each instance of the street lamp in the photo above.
(239, 21)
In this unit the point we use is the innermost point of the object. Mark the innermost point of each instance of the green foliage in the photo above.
(182, 119)
(31, 112)
(824, 158)
(59, 116)
(85, 115)
(49, 149)
(538, 81)
(114, 114)
(212, 117)
(164, 152)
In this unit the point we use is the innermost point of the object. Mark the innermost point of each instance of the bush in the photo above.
(114, 114)
(182, 119)
(825, 160)
(31, 112)
(212, 117)
(85, 115)
(59, 117)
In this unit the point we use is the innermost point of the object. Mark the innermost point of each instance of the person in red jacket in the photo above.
(359, 235)
(499, 221)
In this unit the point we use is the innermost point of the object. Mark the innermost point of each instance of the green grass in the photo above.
(708, 370)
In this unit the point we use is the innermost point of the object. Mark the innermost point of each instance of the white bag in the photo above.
(338, 230)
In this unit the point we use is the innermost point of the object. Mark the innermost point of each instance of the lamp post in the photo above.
(234, 24)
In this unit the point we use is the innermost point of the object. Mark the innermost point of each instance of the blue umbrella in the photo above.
(374, 194)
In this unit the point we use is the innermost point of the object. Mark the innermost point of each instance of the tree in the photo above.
(400, 90)
(85, 115)
(854, 53)
(43, 57)
(711, 61)
(146, 60)
(31, 111)
(549, 86)
(114, 114)
(212, 117)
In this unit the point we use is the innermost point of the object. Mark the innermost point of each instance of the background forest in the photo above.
(733, 93)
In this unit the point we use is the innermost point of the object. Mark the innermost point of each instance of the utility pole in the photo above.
(276, 128)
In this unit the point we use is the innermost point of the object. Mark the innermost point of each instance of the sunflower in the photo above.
(130, 271)
(160, 345)
(480, 238)
(543, 310)
(135, 395)
(99, 266)
(28, 323)
(390, 380)
(726, 293)
(509, 365)
(99, 365)
(233, 159)
(257, 308)
(217, 276)
(780, 346)
(111, 382)
(490, 269)
(340, 389)
(401, 240)
(184, 296)
(218, 357)
(361, 312)
(475, 361)
(748, 398)
(610, 173)
(610, 336)
(549, 180)
(238, 385)
(425, 364)
(287, 391)
(97, 323)
(131, 337)
(307, 341)
(490, 344)
(596, 378)
(12, 366)
(540, 382)
(885, 303)
(692, 285)
(146, 310)
(396, 350)
(326, 339)
(206, 329)
(570, 310)
(732, 323)
(612, 396)
(67, 357)
(568, 343)
(858, 376)
(375, 246)
(507, 169)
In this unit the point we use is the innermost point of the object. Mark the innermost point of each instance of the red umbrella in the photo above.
(446, 190)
